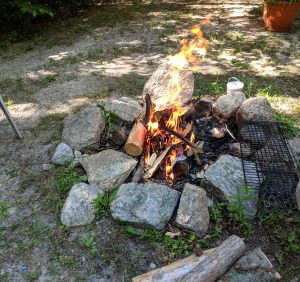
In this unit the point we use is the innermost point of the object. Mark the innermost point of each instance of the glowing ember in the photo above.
(188, 58)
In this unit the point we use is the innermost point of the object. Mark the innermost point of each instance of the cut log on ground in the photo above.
(140, 169)
(118, 135)
(172, 271)
(216, 263)
(206, 268)
(135, 142)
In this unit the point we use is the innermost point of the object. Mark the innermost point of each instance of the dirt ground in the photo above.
(111, 51)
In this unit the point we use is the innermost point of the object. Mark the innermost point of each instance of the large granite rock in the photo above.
(298, 195)
(78, 209)
(108, 168)
(193, 212)
(254, 266)
(125, 108)
(165, 80)
(227, 105)
(255, 109)
(145, 205)
(83, 130)
(224, 180)
(63, 154)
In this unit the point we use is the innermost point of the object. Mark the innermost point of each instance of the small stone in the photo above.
(224, 180)
(78, 209)
(210, 202)
(193, 213)
(108, 168)
(23, 268)
(127, 109)
(63, 154)
(172, 234)
(47, 167)
(227, 105)
(164, 80)
(152, 265)
(255, 109)
(77, 154)
(144, 205)
(82, 131)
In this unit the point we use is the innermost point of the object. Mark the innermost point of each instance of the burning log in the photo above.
(149, 173)
(135, 142)
(181, 168)
(157, 163)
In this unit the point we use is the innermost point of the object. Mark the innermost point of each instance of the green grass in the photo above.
(239, 64)
(288, 124)
(4, 207)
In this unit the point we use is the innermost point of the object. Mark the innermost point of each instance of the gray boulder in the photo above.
(108, 168)
(193, 213)
(163, 80)
(144, 205)
(227, 105)
(254, 266)
(295, 148)
(255, 109)
(62, 154)
(224, 180)
(125, 108)
(78, 209)
(83, 130)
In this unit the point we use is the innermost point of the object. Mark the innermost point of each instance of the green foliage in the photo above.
(4, 206)
(110, 117)
(215, 212)
(66, 177)
(240, 64)
(90, 243)
(48, 79)
(102, 202)
(179, 245)
(288, 124)
(203, 87)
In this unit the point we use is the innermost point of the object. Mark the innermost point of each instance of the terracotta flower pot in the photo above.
(279, 16)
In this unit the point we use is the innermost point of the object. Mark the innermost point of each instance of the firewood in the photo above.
(172, 271)
(149, 173)
(118, 135)
(135, 142)
(157, 163)
(217, 262)
(181, 168)
(216, 133)
(140, 169)
(152, 159)
(206, 268)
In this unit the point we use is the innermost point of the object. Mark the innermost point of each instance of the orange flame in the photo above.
(188, 58)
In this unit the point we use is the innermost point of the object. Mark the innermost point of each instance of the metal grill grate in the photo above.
(268, 165)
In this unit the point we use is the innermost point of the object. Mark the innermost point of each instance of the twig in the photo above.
(229, 132)
(188, 142)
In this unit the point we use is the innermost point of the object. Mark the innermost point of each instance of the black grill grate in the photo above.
(268, 165)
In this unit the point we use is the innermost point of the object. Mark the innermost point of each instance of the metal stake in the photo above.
(8, 116)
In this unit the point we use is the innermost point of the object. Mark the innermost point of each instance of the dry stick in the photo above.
(188, 142)
(232, 136)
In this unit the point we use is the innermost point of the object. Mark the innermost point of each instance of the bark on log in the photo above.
(181, 168)
(140, 169)
(135, 142)
(216, 263)
(172, 271)
(118, 136)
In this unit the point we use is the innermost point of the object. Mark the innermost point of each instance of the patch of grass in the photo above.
(90, 243)
(32, 275)
(103, 93)
(208, 87)
(48, 79)
(110, 117)
(4, 207)
(102, 202)
(239, 64)
(256, 11)
(288, 124)
(66, 177)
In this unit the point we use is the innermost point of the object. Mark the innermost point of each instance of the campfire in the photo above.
(165, 136)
